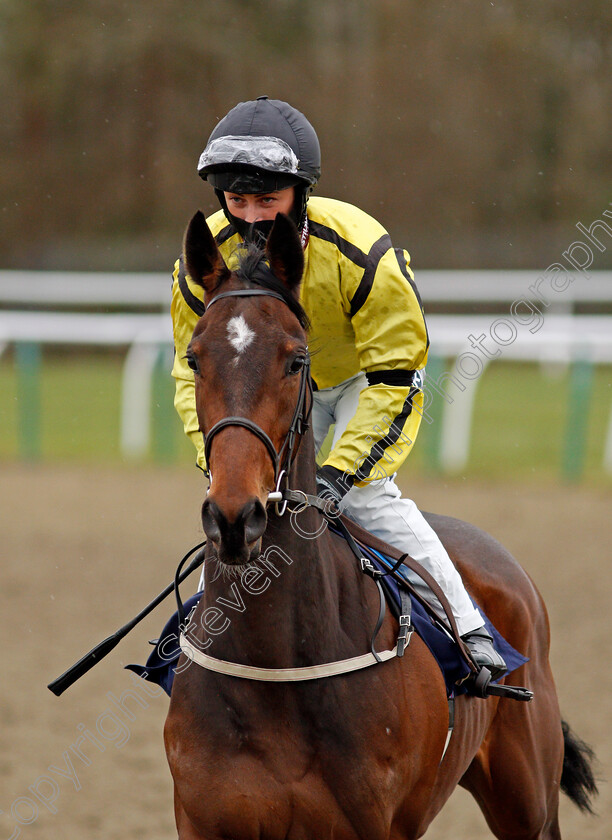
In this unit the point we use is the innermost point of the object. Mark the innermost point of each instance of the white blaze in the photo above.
(239, 333)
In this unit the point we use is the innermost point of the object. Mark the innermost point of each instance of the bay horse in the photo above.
(356, 756)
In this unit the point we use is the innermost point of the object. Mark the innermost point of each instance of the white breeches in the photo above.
(379, 508)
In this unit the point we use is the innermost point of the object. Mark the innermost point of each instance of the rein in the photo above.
(282, 461)
(311, 672)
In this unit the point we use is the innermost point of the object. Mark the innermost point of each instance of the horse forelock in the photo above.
(254, 270)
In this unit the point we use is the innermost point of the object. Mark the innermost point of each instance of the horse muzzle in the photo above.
(237, 537)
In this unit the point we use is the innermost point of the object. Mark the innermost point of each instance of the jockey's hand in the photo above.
(331, 484)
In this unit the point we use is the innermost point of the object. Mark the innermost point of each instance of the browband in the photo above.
(246, 293)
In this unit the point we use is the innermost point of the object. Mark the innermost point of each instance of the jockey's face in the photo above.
(260, 207)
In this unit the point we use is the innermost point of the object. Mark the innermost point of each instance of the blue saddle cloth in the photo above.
(163, 659)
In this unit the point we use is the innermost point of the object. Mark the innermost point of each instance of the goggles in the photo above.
(268, 153)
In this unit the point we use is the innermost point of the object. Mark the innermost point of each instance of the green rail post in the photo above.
(580, 390)
(433, 413)
(164, 418)
(28, 360)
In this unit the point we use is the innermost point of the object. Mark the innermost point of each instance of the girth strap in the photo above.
(405, 622)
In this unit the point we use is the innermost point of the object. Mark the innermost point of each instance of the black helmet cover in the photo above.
(265, 135)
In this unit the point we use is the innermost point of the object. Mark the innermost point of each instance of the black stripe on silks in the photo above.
(224, 234)
(401, 261)
(345, 247)
(392, 436)
(377, 252)
(402, 264)
(190, 299)
(390, 377)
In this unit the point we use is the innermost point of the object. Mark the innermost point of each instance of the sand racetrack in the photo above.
(84, 549)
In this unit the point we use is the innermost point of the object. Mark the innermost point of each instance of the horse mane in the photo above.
(253, 268)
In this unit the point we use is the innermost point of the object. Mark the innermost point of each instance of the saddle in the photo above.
(387, 565)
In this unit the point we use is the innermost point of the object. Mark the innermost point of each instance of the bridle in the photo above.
(283, 459)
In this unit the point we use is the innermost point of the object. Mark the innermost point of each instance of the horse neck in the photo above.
(288, 602)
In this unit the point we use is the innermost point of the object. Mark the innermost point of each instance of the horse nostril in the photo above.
(255, 521)
(249, 524)
(210, 521)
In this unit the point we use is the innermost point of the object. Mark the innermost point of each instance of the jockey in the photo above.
(368, 335)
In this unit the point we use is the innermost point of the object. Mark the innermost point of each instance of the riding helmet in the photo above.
(262, 146)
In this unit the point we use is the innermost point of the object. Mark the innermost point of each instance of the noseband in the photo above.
(281, 460)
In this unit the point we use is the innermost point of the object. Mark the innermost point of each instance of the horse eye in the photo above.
(193, 363)
(296, 365)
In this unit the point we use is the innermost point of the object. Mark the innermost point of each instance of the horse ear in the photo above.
(203, 259)
(285, 252)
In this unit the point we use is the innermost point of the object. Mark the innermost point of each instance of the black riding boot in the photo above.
(480, 645)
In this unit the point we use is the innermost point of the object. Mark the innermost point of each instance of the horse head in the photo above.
(250, 360)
